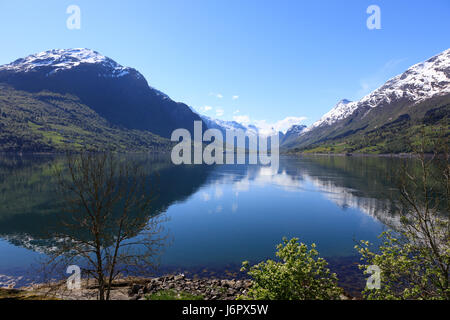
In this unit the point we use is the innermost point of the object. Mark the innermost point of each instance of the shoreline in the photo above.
(381, 155)
(351, 278)
(170, 286)
(167, 287)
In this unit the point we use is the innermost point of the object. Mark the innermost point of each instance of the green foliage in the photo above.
(51, 122)
(398, 139)
(393, 136)
(406, 272)
(173, 295)
(416, 265)
(299, 275)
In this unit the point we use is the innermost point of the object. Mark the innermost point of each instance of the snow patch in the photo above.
(66, 59)
(420, 82)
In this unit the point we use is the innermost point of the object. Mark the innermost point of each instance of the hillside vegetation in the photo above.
(52, 122)
(398, 135)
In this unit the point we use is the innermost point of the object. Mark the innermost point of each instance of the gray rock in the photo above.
(179, 277)
(134, 289)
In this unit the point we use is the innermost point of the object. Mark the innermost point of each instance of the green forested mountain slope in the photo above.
(120, 95)
(391, 132)
(389, 119)
(50, 122)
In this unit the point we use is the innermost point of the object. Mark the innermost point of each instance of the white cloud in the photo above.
(242, 185)
(235, 97)
(219, 112)
(284, 124)
(205, 109)
(242, 119)
(205, 196)
(236, 112)
(218, 193)
(217, 95)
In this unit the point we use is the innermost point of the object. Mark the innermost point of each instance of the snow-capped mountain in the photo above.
(119, 94)
(420, 82)
(224, 125)
(296, 129)
(249, 129)
(293, 133)
(403, 94)
(341, 110)
(58, 60)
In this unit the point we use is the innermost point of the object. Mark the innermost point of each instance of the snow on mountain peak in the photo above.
(420, 82)
(296, 129)
(225, 125)
(341, 110)
(257, 127)
(64, 59)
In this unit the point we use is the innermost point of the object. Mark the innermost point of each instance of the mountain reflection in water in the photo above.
(218, 215)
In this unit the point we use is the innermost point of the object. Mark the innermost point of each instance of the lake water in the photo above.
(218, 216)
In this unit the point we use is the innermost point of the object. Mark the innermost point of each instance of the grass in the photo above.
(54, 137)
(388, 140)
(329, 148)
(50, 122)
(401, 135)
(173, 295)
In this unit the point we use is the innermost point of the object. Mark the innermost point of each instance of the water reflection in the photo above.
(219, 215)
(30, 205)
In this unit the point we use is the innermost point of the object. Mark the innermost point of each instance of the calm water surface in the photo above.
(218, 216)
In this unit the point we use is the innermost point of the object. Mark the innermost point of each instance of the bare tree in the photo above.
(425, 216)
(415, 259)
(426, 199)
(107, 228)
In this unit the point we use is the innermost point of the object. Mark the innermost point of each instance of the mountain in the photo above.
(386, 119)
(248, 128)
(51, 122)
(293, 133)
(119, 95)
(225, 126)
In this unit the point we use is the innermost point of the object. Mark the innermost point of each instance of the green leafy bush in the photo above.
(299, 275)
(406, 271)
(416, 264)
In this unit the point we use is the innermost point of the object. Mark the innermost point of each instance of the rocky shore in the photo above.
(171, 286)
(208, 289)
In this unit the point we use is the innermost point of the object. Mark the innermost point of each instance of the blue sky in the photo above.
(254, 59)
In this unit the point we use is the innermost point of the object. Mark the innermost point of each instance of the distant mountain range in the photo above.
(77, 98)
(223, 126)
(388, 119)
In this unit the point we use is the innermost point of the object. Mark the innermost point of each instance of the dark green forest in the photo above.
(52, 122)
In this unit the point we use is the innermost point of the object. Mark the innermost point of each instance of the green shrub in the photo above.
(407, 272)
(298, 275)
(416, 264)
